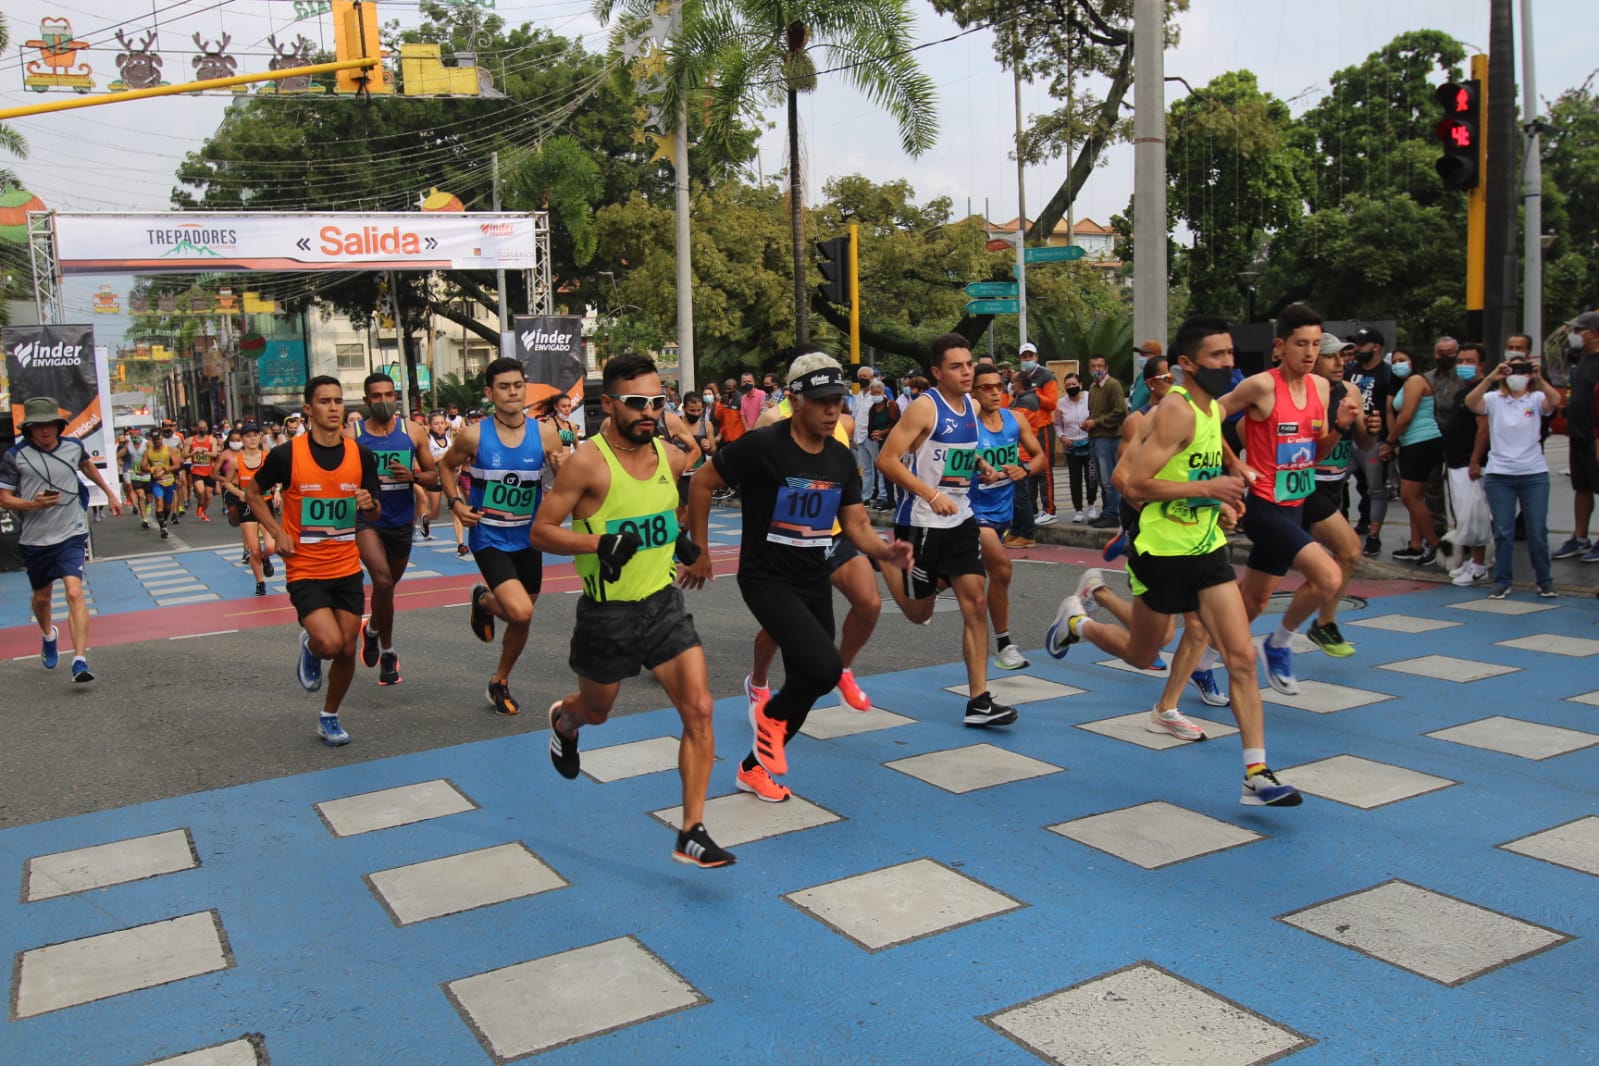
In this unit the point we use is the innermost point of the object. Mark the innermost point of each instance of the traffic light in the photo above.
(1460, 130)
(835, 269)
(355, 36)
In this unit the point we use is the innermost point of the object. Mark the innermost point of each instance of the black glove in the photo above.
(687, 551)
(615, 550)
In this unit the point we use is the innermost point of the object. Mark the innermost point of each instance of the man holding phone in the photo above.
(39, 480)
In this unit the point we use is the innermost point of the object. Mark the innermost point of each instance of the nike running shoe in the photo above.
(696, 848)
(369, 646)
(983, 711)
(331, 732)
(50, 649)
(1091, 581)
(1329, 640)
(1210, 692)
(1280, 669)
(770, 737)
(501, 700)
(1262, 789)
(308, 668)
(389, 668)
(1060, 635)
(760, 784)
(80, 671)
(852, 693)
(481, 621)
(1010, 658)
(1174, 722)
(1499, 592)
(1117, 547)
(563, 749)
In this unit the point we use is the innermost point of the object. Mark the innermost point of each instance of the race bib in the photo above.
(509, 504)
(1338, 459)
(327, 518)
(1294, 484)
(384, 458)
(960, 465)
(656, 530)
(804, 513)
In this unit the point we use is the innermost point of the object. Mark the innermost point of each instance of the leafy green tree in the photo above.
(1571, 202)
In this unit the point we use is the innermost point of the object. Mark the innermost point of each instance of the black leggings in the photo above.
(800, 620)
(1081, 467)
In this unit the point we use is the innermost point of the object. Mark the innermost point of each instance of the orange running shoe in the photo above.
(852, 692)
(770, 734)
(760, 783)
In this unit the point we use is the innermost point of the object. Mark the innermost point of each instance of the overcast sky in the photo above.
(123, 156)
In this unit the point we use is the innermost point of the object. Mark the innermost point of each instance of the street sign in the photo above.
(980, 289)
(994, 307)
(1054, 253)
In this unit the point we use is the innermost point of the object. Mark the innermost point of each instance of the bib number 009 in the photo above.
(517, 499)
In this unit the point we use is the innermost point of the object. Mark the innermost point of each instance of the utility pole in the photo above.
(1021, 207)
(1149, 170)
(685, 266)
(1531, 192)
(499, 275)
(1503, 146)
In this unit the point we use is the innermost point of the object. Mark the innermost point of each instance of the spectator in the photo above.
(729, 416)
(1582, 338)
(1465, 444)
(1447, 389)
(1374, 378)
(1150, 349)
(751, 399)
(1068, 422)
(875, 416)
(1024, 514)
(1107, 407)
(1513, 397)
(1046, 390)
(1414, 436)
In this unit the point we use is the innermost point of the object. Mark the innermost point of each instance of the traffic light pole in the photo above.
(1477, 219)
(854, 293)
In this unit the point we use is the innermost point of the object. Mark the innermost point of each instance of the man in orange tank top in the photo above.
(326, 479)
(1286, 431)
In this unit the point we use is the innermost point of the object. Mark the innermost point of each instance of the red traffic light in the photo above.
(1460, 164)
(1456, 134)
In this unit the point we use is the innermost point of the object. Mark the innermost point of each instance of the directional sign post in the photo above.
(1055, 253)
(994, 307)
(988, 289)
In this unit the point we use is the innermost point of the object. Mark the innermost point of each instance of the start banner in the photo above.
(213, 242)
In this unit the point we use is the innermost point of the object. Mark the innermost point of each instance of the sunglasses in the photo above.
(635, 402)
(1162, 377)
(990, 386)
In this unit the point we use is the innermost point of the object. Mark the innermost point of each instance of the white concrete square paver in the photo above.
(1427, 933)
(830, 723)
(1513, 736)
(561, 999)
(631, 760)
(1590, 698)
(1143, 1014)
(1322, 697)
(1554, 644)
(233, 1053)
(973, 767)
(98, 967)
(1132, 729)
(1362, 783)
(1448, 668)
(1574, 845)
(741, 818)
(897, 904)
(1129, 668)
(390, 807)
(1399, 623)
(462, 882)
(1155, 834)
(1510, 607)
(1014, 689)
(116, 863)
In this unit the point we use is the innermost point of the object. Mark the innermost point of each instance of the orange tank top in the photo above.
(246, 471)
(202, 454)
(319, 514)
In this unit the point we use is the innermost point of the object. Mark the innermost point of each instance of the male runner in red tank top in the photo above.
(1286, 430)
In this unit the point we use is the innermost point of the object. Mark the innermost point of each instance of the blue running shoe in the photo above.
(80, 671)
(309, 668)
(1262, 789)
(49, 652)
(1280, 669)
(1116, 548)
(331, 732)
(1060, 635)
(1213, 694)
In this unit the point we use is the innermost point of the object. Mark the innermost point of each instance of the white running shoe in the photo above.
(1092, 579)
(1174, 722)
(1079, 518)
(1010, 658)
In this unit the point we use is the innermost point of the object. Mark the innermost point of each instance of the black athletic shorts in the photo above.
(841, 551)
(239, 512)
(940, 553)
(1418, 461)
(396, 541)
(498, 566)
(1584, 465)
(1001, 528)
(1322, 504)
(1172, 582)
(614, 638)
(1277, 534)
(346, 594)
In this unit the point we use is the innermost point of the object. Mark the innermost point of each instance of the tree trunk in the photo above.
(796, 221)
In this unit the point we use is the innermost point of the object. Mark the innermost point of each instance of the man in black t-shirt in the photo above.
(1368, 372)
(794, 480)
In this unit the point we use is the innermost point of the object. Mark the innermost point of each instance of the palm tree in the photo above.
(766, 51)
(10, 140)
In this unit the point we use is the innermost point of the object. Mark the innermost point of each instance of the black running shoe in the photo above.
(696, 848)
(267, 569)
(501, 700)
(389, 668)
(563, 749)
(1406, 554)
(985, 711)
(369, 647)
(481, 621)
(1372, 548)
(260, 588)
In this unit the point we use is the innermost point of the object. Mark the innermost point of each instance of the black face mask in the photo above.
(1215, 380)
(1074, 390)
(746, 387)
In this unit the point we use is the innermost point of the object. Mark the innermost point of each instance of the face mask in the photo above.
(1098, 375)
(1574, 341)
(1371, 355)
(236, 445)
(1465, 373)
(1215, 380)
(746, 387)
(1401, 370)
(382, 412)
(1517, 382)
(1029, 365)
(710, 398)
(875, 398)
(1446, 362)
(1074, 390)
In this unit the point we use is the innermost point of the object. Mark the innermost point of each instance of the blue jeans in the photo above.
(1531, 491)
(873, 483)
(1104, 449)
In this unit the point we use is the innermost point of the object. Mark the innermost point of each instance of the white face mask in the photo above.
(1574, 340)
(236, 445)
(1517, 382)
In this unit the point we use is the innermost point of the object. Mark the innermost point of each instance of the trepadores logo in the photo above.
(34, 354)
(190, 240)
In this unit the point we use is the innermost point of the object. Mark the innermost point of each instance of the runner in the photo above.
(327, 481)
(173, 439)
(794, 480)
(239, 467)
(939, 432)
(138, 476)
(1286, 431)
(621, 495)
(200, 453)
(40, 481)
(160, 464)
(1178, 561)
(851, 572)
(506, 456)
(397, 447)
(999, 436)
(440, 437)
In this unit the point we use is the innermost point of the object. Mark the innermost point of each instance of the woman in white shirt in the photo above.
(1515, 397)
(1068, 419)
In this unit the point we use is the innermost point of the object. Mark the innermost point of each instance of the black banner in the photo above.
(551, 350)
(55, 361)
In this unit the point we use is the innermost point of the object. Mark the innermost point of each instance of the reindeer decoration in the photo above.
(140, 66)
(294, 55)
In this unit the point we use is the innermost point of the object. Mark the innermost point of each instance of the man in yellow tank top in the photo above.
(620, 490)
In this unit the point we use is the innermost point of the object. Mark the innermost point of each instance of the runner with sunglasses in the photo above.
(505, 455)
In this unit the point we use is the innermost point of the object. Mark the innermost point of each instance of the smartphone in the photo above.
(1521, 368)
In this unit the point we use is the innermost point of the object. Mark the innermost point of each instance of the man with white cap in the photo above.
(1045, 390)
(39, 479)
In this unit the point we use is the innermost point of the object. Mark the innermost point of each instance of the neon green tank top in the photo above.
(1189, 526)
(649, 509)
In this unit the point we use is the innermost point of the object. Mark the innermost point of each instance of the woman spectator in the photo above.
(1068, 419)
(876, 415)
(1413, 431)
(1515, 397)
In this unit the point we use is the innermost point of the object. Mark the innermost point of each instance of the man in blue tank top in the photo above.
(505, 456)
(400, 450)
(938, 432)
